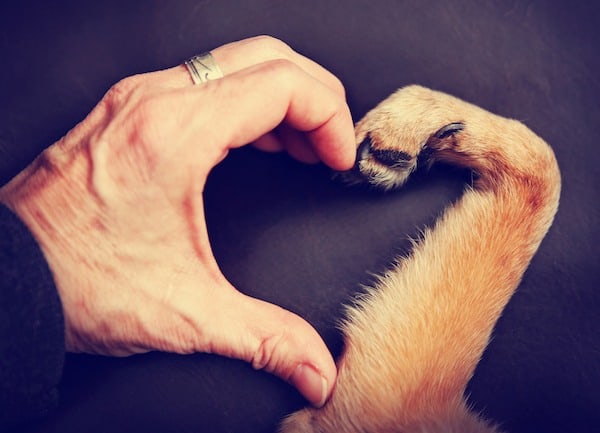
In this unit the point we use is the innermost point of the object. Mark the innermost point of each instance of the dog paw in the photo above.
(401, 133)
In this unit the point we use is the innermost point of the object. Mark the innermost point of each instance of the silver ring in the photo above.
(203, 68)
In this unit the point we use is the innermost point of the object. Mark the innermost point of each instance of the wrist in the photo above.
(47, 196)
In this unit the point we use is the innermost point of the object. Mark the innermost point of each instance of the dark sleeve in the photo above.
(32, 345)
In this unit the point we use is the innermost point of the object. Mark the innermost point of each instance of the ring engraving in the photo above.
(203, 68)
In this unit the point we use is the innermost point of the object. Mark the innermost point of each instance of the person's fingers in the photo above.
(287, 346)
(235, 56)
(269, 143)
(297, 145)
(274, 92)
(265, 55)
(271, 339)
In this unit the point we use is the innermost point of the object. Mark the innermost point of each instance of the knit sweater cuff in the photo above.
(32, 343)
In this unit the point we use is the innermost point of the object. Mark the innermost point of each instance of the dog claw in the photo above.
(364, 149)
(449, 130)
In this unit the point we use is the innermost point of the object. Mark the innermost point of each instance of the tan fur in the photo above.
(413, 341)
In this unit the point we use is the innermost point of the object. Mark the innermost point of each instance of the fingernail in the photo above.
(311, 384)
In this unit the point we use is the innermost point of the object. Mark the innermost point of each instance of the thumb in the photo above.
(279, 342)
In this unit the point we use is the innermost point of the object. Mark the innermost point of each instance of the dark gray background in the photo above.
(284, 232)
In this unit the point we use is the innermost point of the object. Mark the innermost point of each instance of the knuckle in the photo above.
(148, 110)
(265, 356)
(282, 70)
(150, 125)
(279, 50)
(122, 91)
(278, 345)
(141, 127)
(339, 86)
(276, 47)
(277, 349)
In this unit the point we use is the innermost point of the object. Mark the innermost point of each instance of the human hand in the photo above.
(117, 208)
